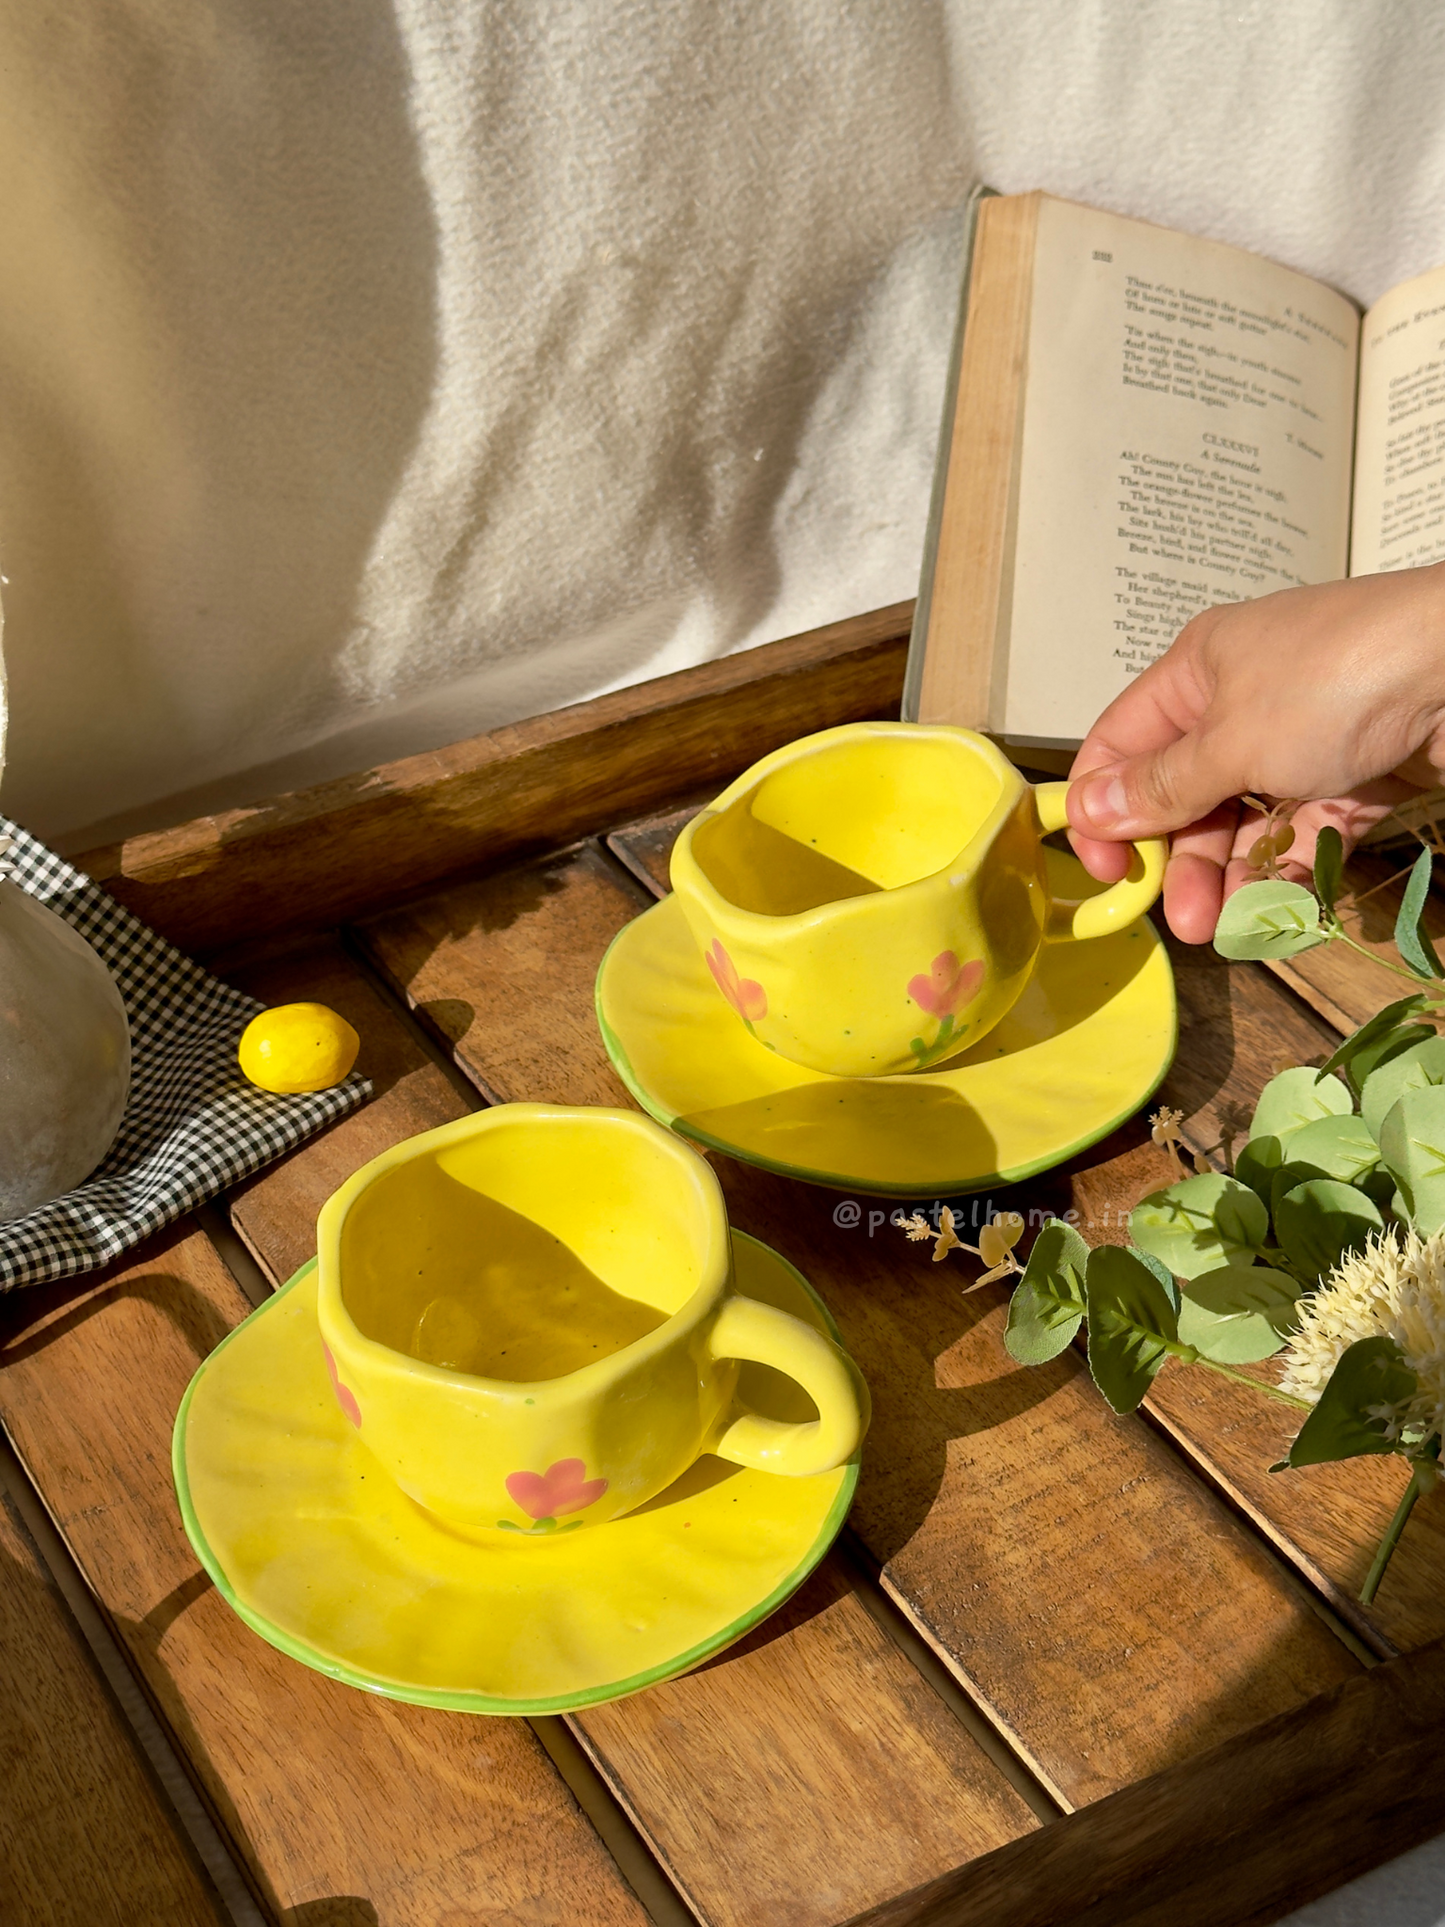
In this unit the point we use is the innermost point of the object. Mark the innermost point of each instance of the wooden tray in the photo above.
(1062, 1667)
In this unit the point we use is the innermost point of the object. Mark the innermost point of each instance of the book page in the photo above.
(1188, 432)
(1399, 519)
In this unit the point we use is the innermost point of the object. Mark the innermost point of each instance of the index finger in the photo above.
(1149, 715)
(1162, 704)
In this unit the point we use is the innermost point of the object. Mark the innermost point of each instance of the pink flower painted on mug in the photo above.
(949, 985)
(747, 997)
(563, 1487)
(345, 1397)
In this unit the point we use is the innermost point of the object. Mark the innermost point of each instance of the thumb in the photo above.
(1149, 795)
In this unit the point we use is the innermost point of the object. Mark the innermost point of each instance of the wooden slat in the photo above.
(983, 1484)
(1331, 1517)
(806, 1773)
(986, 1484)
(1236, 1027)
(275, 1212)
(872, 1779)
(325, 854)
(645, 848)
(1326, 1519)
(336, 1800)
(1255, 1828)
(499, 968)
(83, 1836)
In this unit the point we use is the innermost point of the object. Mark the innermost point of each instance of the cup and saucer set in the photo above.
(536, 1428)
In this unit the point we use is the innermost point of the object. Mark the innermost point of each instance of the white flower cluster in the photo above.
(1395, 1288)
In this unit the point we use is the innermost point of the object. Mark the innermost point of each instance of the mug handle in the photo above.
(747, 1328)
(1115, 907)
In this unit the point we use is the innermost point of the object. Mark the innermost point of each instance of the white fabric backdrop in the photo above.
(376, 371)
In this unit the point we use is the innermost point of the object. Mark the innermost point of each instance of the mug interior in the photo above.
(871, 813)
(528, 1251)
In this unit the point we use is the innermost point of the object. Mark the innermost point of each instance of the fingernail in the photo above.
(1100, 800)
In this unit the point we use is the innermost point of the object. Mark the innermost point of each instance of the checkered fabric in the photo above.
(192, 1125)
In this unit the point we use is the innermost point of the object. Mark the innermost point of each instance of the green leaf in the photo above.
(1364, 1063)
(1296, 1098)
(1254, 1290)
(1339, 1147)
(1199, 1224)
(1375, 1031)
(1343, 1425)
(1378, 1185)
(1131, 1325)
(1269, 919)
(1329, 866)
(1409, 1070)
(1412, 940)
(1257, 1164)
(1319, 1222)
(1412, 1145)
(1238, 1316)
(1162, 1272)
(1048, 1304)
(1287, 1178)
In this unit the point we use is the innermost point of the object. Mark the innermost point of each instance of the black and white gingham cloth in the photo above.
(192, 1124)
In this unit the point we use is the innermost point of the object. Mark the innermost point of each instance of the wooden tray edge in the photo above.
(321, 856)
(1243, 1833)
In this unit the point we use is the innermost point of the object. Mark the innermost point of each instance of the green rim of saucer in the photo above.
(457, 1700)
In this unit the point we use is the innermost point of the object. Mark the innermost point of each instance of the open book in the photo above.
(1141, 425)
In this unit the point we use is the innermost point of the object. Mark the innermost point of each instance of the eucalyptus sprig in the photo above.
(1275, 918)
(1325, 1242)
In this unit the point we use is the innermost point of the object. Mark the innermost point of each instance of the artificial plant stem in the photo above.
(1254, 1384)
(1389, 1542)
(1394, 1529)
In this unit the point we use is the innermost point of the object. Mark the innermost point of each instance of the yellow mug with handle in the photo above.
(873, 899)
(530, 1317)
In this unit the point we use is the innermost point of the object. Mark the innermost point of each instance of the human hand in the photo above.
(1334, 695)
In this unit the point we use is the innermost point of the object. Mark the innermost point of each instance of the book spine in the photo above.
(918, 637)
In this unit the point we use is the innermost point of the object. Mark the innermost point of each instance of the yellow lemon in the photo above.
(297, 1047)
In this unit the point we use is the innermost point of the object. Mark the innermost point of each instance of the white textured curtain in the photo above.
(376, 371)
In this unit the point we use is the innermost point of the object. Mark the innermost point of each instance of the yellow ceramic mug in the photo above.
(530, 1316)
(874, 898)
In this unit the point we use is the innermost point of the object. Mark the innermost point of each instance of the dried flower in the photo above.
(1166, 1135)
(1394, 1288)
(948, 1239)
(995, 1242)
(1278, 835)
(999, 1236)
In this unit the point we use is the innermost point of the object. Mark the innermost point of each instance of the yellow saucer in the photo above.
(317, 1550)
(1087, 1043)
